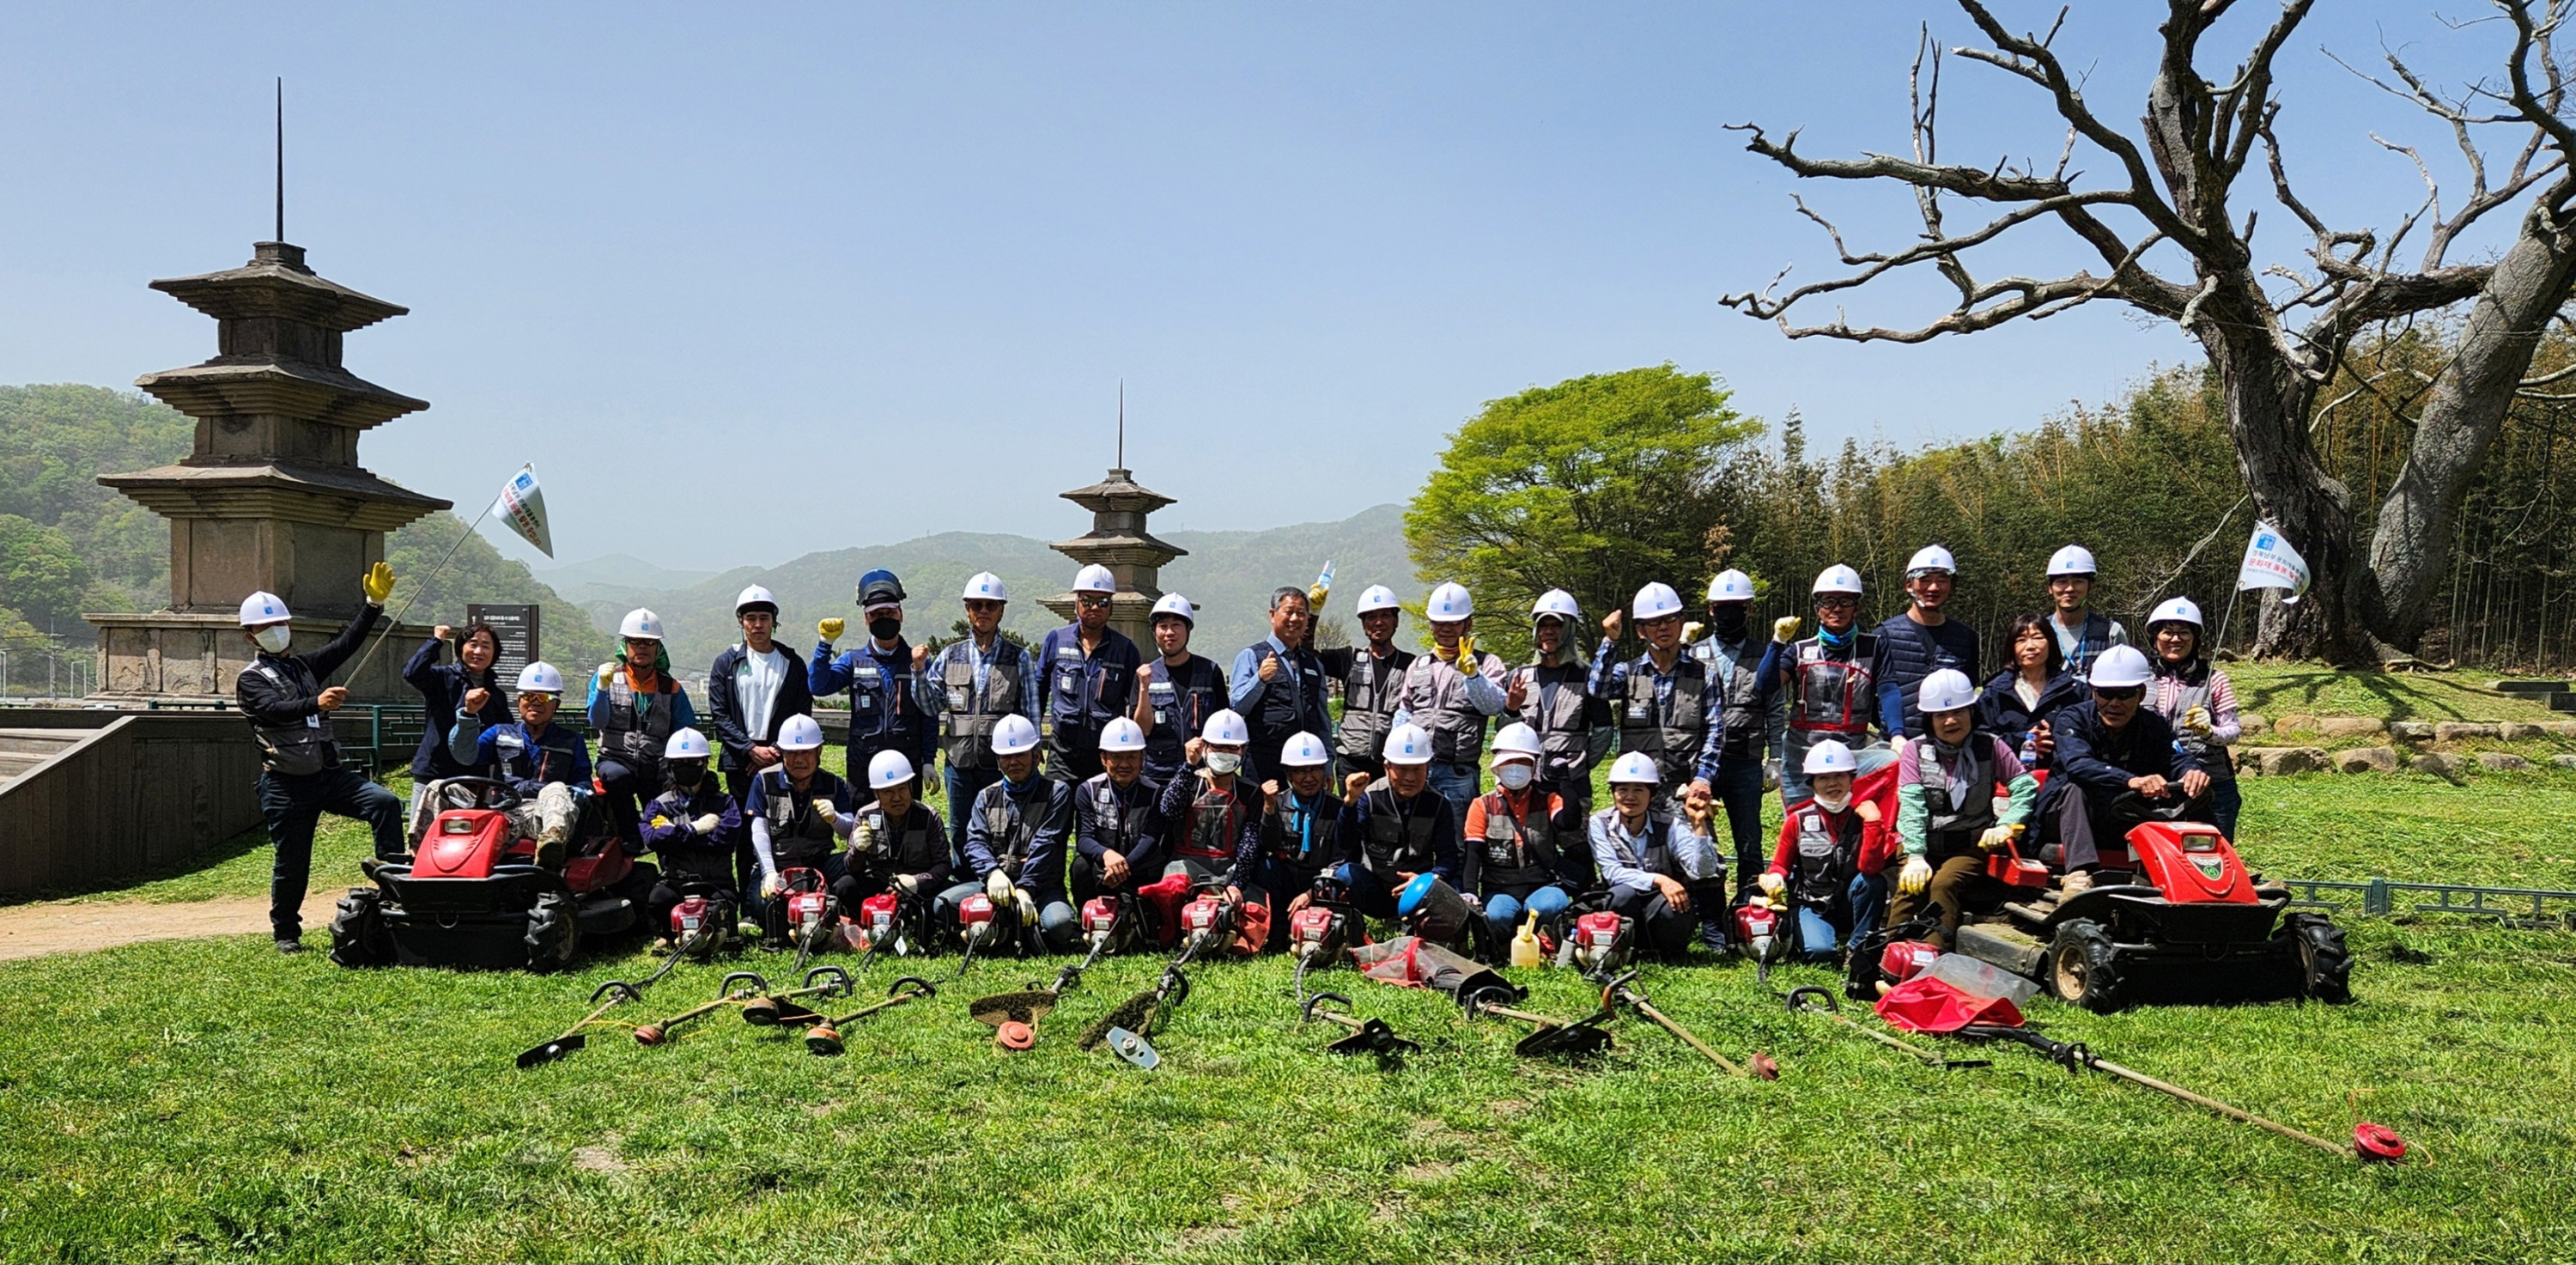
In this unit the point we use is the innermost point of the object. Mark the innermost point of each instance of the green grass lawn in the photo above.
(209, 1099)
(2277, 689)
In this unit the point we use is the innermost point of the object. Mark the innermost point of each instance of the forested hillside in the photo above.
(68, 545)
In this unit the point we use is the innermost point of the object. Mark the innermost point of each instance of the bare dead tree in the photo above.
(2273, 346)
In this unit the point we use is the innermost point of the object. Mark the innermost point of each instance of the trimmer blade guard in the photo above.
(1134, 1048)
(1025, 1006)
(551, 1050)
(1374, 1037)
(1581, 1039)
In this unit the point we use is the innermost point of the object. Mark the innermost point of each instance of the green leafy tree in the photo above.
(1596, 485)
(41, 571)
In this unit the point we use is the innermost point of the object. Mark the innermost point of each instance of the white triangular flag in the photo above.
(2270, 563)
(523, 507)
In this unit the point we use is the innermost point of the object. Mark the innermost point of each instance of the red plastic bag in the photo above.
(1924, 1004)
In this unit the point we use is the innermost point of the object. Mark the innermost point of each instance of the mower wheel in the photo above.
(2325, 964)
(358, 935)
(554, 932)
(2083, 968)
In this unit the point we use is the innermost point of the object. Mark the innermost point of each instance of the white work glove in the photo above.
(1028, 906)
(707, 824)
(1916, 875)
(1770, 883)
(863, 840)
(907, 884)
(2195, 720)
(1995, 837)
(771, 885)
(997, 885)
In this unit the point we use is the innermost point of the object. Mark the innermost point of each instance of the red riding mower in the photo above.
(2173, 916)
(472, 897)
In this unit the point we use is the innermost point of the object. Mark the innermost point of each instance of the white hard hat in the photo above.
(2178, 610)
(1731, 585)
(1378, 597)
(541, 677)
(1516, 739)
(1408, 744)
(1559, 603)
(1838, 579)
(641, 623)
(1655, 601)
(2119, 668)
(1175, 604)
(263, 607)
(800, 732)
(1947, 690)
(755, 596)
(888, 768)
(1830, 756)
(2071, 560)
(1304, 751)
(1014, 734)
(1122, 734)
(1448, 603)
(1931, 558)
(984, 586)
(1226, 729)
(686, 744)
(1636, 766)
(1094, 579)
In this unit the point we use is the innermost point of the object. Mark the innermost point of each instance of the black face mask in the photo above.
(687, 776)
(884, 629)
(1726, 619)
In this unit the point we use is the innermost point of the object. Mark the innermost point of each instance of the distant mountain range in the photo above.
(1228, 574)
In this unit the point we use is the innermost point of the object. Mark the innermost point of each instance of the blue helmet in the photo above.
(1410, 897)
(879, 587)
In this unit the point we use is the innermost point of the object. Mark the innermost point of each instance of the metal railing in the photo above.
(2529, 908)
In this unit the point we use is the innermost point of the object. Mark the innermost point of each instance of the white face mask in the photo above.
(274, 638)
(1834, 803)
(1514, 776)
(1222, 762)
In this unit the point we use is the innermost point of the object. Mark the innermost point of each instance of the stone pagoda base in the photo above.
(167, 657)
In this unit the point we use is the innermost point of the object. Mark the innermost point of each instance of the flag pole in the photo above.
(434, 573)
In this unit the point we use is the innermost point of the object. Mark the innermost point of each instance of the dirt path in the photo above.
(28, 931)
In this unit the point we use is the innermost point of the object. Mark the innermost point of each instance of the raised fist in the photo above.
(1785, 629)
(831, 628)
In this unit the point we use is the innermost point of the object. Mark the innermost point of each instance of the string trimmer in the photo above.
(1014, 1016)
(1549, 1038)
(810, 910)
(2370, 1142)
(1619, 990)
(726, 995)
(776, 1008)
(1368, 1036)
(1127, 1026)
(825, 1037)
(1803, 1000)
(616, 990)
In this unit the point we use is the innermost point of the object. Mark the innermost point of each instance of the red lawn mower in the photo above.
(2174, 916)
(473, 897)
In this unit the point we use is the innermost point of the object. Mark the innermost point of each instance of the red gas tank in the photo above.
(462, 843)
(2191, 863)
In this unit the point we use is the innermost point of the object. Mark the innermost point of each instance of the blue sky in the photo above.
(832, 275)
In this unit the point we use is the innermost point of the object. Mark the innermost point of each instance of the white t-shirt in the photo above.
(756, 684)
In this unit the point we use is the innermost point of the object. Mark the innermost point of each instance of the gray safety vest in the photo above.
(1949, 817)
(1516, 856)
(300, 749)
(1672, 731)
(1368, 708)
(971, 714)
(1563, 738)
(637, 739)
(1739, 712)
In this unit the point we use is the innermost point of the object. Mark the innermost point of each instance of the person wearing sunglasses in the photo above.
(2116, 762)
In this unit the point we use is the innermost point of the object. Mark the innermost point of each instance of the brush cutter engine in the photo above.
(1203, 922)
(1101, 920)
(1316, 934)
(1600, 942)
(702, 926)
(876, 925)
(980, 923)
(1760, 933)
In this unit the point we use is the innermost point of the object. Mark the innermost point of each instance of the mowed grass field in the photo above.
(210, 1100)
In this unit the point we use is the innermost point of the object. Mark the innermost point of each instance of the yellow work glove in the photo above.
(1466, 654)
(2195, 720)
(1916, 876)
(1691, 631)
(831, 629)
(1770, 883)
(1784, 629)
(997, 886)
(1996, 837)
(1315, 595)
(378, 583)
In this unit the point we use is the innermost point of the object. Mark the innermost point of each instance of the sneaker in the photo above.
(2074, 882)
(291, 944)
